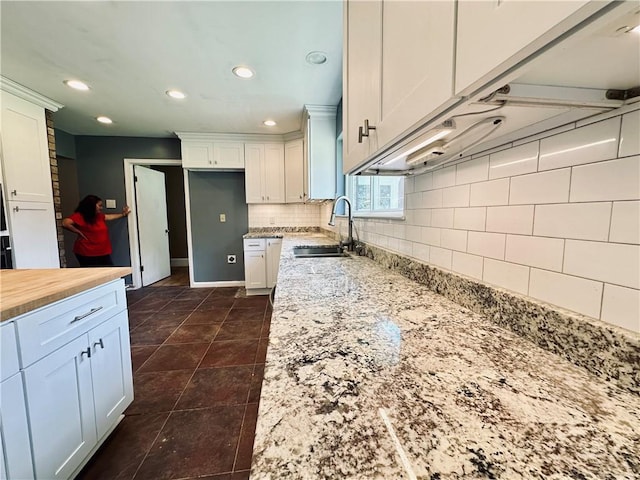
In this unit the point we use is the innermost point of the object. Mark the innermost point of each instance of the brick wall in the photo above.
(55, 185)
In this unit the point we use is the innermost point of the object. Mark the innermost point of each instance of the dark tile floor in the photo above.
(198, 361)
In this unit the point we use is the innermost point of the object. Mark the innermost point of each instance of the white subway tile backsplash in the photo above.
(421, 252)
(516, 219)
(413, 200)
(423, 182)
(515, 161)
(507, 275)
(583, 221)
(535, 251)
(486, 244)
(630, 134)
(573, 293)
(609, 262)
(456, 196)
(440, 257)
(431, 236)
(473, 171)
(493, 192)
(453, 239)
(414, 233)
(399, 230)
(546, 187)
(612, 180)
(469, 265)
(592, 143)
(445, 177)
(409, 185)
(625, 222)
(431, 199)
(442, 217)
(422, 217)
(470, 218)
(621, 307)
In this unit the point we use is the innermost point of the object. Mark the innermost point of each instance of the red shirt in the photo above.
(97, 242)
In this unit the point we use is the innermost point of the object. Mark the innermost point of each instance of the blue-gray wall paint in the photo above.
(100, 164)
(210, 194)
(65, 144)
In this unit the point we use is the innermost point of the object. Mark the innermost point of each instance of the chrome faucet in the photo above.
(332, 221)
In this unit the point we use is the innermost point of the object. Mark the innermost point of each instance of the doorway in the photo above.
(135, 245)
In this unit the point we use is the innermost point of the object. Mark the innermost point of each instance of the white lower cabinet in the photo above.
(75, 396)
(261, 263)
(75, 362)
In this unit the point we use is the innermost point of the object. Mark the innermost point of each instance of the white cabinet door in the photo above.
(255, 269)
(273, 173)
(61, 409)
(197, 154)
(418, 41)
(361, 77)
(14, 431)
(320, 154)
(294, 172)
(493, 36)
(254, 156)
(25, 151)
(111, 371)
(228, 155)
(274, 246)
(34, 240)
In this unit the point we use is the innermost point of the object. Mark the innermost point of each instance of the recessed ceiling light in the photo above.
(76, 84)
(104, 120)
(242, 72)
(176, 94)
(316, 58)
(269, 123)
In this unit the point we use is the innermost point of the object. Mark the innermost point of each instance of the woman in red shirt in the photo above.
(92, 247)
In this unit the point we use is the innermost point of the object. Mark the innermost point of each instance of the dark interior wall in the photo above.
(65, 144)
(174, 182)
(69, 199)
(100, 164)
(210, 194)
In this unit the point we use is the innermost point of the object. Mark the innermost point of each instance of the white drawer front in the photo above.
(9, 364)
(42, 331)
(254, 244)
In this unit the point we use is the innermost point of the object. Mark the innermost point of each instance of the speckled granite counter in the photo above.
(371, 375)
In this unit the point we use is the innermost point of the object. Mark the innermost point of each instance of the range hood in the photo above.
(594, 68)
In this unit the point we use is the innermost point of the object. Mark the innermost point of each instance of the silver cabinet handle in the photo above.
(86, 352)
(99, 342)
(17, 209)
(90, 312)
(364, 131)
(14, 192)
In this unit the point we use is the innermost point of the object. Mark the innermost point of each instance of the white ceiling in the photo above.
(131, 53)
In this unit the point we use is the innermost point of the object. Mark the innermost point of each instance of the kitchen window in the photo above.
(376, 196)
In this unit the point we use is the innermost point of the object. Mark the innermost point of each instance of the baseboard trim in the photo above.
(179, 262)
(217, 284)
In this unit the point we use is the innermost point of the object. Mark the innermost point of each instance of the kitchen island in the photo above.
(371, 375)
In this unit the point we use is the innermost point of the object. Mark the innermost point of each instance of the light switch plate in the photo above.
(223, 218)
(111, 203)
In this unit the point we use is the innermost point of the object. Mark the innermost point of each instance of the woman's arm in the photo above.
(68, 224)
(114, 216)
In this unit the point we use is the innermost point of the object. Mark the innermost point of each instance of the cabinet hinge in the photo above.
(141, 268)
(135, 178)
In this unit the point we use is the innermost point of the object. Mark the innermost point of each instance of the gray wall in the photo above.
(100, 164)
(210, 194)
(177, 218)
(65, 144)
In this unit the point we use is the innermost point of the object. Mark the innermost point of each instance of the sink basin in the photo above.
(306, 251)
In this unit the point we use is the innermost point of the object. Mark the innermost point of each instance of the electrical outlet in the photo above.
(231, 259)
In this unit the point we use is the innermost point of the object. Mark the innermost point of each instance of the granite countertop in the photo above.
(370, 375)
(262, 235)
(24, 290)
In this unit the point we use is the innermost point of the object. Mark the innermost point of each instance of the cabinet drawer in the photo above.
(44, 330)
(254, 244)
(8, 350)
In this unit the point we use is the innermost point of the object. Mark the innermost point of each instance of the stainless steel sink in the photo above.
(307, 251)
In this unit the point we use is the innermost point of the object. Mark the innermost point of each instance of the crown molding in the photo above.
(9, 86)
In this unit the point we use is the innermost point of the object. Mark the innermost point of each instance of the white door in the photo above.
(153, 228)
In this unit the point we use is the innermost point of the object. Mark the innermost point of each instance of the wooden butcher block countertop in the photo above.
(22, 291)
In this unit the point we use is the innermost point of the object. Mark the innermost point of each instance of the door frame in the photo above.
(132, 219)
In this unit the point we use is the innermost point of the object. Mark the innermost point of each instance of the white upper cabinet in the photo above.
(202, 153)
(320, 152)
(25, 151)
(33, 235)
(493, 36)
(294, 172)
(264, 173)
(399, 68)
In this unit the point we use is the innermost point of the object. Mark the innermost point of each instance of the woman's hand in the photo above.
(126, 210)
